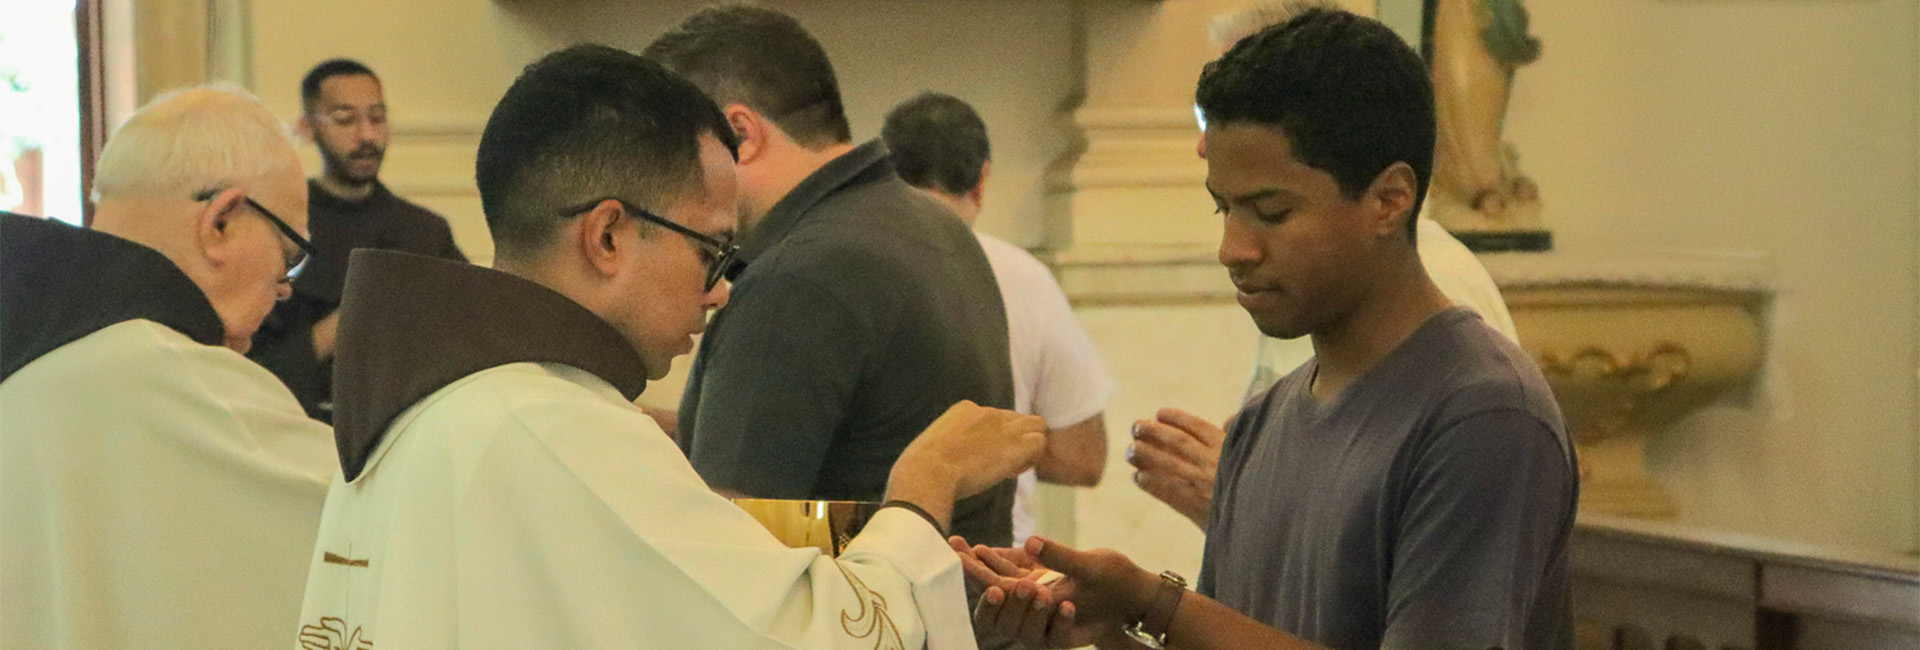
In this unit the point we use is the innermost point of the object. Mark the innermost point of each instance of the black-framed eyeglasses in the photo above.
(722, 257)
(295, 262)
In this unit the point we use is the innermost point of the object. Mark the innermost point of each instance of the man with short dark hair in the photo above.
(940, 145)
(1411, 486)
(343, 110)
(1176, 452)
(498, 487)
(866, 308)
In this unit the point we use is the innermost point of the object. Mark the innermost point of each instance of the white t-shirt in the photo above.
(1453, 268)
(1461, 276)
(1057, 372)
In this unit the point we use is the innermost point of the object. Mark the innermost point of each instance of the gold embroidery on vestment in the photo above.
(333, 558)
(331, 634)
(873, 620)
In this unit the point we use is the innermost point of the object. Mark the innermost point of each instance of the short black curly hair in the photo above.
(328, 69)
(938, 143)
(1350, 95)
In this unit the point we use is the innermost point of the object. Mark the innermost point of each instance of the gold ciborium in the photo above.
(798, 523)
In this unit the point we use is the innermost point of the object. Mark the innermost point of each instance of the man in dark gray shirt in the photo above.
(1413, 485)
(866, 308)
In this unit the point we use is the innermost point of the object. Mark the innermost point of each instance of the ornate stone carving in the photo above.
(1625, 363)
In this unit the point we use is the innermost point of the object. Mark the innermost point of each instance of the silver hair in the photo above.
(1229, 28)
(189, 139)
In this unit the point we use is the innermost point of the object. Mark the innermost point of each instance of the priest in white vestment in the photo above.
(157, 489)
(498, 487)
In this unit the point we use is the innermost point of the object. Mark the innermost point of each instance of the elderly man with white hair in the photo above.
(157, 489)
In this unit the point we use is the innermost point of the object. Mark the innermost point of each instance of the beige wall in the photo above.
(1787, 129)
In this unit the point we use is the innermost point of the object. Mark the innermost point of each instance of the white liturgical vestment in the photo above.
(156, 491)
(531, 505)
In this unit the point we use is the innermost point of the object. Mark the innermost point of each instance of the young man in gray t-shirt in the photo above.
(1425, 505)
(1413, 485)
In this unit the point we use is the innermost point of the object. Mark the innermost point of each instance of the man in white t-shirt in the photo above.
(939, 145)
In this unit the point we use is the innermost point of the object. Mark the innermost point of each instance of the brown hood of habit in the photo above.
(59, 283)
(410, 325)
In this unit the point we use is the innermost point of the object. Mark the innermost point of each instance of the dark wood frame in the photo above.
(1426, 29)
(87, 18)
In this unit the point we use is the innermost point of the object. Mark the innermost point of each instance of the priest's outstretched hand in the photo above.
(967, 450)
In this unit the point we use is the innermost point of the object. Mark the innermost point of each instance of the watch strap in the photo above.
(1153, 623)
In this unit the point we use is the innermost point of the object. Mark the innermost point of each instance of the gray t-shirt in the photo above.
(1428, 505)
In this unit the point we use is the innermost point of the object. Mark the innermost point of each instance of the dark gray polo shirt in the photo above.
(866, 310)
(1428, 505)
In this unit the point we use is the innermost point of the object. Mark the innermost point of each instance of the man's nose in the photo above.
(1239, 247)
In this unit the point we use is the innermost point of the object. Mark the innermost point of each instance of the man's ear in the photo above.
(978, 195)
(212, 225)
(751, 128)
(1392, 197)
(597, 238)
(303, 127)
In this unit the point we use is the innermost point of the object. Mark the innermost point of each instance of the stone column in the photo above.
(188, 42)
(170, 45)
(1132, 216)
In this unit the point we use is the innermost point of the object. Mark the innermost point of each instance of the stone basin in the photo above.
(1626, 361)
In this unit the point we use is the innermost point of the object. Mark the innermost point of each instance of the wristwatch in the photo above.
(1151, 629)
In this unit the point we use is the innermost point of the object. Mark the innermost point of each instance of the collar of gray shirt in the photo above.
(855, 167)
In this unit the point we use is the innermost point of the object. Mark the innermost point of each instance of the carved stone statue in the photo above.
(1478, 191)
